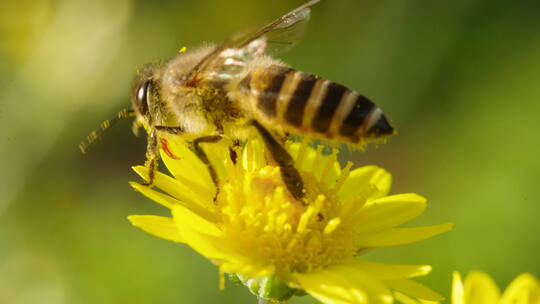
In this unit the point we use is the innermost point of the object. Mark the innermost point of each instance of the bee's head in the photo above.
(143, 98)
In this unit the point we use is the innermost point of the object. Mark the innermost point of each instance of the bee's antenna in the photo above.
(94, 135)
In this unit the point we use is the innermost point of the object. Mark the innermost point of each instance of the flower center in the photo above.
(273, 228)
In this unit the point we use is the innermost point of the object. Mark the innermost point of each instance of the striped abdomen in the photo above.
(305, 104)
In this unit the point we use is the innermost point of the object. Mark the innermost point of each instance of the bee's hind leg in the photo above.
(204, 158)
(289, 173)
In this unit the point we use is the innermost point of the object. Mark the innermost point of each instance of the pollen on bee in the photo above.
(182, 50)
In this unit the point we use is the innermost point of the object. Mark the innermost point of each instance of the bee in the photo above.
(229, 91)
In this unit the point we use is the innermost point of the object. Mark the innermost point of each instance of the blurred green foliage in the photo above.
(459, 79)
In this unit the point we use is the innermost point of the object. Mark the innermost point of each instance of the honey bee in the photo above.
(226, 92)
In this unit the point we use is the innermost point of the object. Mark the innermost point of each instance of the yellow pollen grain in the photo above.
(343, 176)
(332, 225)
(182, 50)
(171, 71)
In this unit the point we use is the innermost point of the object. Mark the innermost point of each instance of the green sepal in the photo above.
(234, 278)
(271, 288)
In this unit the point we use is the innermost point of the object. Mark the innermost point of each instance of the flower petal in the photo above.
(188, 169)
(169, 202)
(377, 291)
(525, 289)
(187, 219)
(175, 188)
(157, 197)
(248, 269)
(217, 154)
(330, 288)
(201, 235)
(414, 289)
(457, 288)
(160, 226)
(312, 160)
(389, 211)
(401, 298)
(360, 180)
(343, 284)
(480, 288)
(389, 271)
(205, 237)
(400, 236)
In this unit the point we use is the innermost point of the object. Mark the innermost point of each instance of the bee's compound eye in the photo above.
(142, 96)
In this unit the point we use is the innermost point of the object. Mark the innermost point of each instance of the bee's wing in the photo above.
(284, 32)
(229, 59)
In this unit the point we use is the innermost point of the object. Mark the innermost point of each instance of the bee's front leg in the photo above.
(289, 173)
(152, 156)
(152, 150)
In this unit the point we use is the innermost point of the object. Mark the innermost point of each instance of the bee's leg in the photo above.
(204, 158)
(233, 154)
(164, 142)
(285, 137)
(152, 157)
(171, 130)
(289, 174)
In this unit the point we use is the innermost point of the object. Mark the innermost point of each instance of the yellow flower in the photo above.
(278, 246)
(479, 288)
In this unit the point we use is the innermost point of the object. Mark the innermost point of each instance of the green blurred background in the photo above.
(459, 79)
